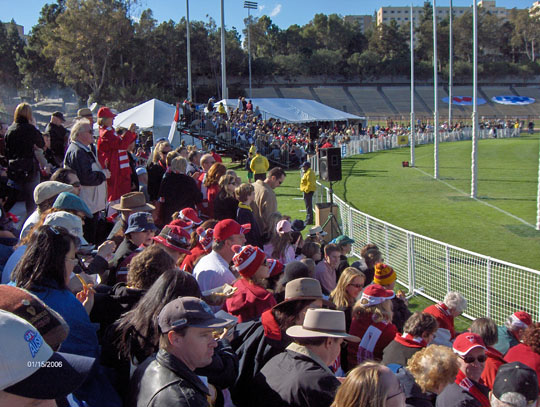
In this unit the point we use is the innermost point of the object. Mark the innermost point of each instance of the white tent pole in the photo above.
(412, 140)
(474, 153)
(435, 98)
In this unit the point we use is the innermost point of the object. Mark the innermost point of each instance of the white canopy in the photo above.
(295, 110)
(153, 115)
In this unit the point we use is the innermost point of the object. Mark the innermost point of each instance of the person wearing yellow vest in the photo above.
(259, 165)
(308, 186)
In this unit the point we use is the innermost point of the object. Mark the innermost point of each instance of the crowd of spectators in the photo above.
(183, 285)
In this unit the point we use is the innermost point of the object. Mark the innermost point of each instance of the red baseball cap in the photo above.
(229, 227)
(466, 342)
(105, 112)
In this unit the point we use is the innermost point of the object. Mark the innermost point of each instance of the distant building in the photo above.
(364, 21)
(20, 29)
(534, 11)
(402, 15)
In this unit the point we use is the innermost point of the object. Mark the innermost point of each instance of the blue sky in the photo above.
(283, 12)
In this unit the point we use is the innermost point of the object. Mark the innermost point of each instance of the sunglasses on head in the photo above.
(471, 359)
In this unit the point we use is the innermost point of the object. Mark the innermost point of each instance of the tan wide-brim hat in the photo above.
(133, 201)
(304, 289)
(322, 323)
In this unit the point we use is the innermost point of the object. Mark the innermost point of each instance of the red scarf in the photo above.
(468, 385)
(410, 341)
(271, 327)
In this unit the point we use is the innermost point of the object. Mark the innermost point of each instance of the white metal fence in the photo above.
(431, 268)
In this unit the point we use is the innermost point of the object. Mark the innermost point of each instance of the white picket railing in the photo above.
(431, 268)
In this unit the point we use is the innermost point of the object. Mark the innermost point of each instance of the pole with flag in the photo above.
(176, 119)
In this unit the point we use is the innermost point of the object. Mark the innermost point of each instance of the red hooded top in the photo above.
(249, 301)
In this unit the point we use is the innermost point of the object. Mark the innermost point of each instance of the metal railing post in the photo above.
(448, 282)
(488, 288)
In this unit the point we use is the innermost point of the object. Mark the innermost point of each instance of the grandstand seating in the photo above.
(394, 101)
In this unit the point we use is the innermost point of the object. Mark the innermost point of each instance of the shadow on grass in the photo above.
(522, 230)
(461, 198)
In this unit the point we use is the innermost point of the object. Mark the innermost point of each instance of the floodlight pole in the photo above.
(189, 90)
(474, 153)
(450, 67)
(224, 91)
(250, 5)
(412, 140)
(435, 97)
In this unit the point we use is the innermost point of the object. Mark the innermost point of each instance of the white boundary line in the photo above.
(478, 200)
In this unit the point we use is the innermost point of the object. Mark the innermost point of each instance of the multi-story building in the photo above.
(364, 21)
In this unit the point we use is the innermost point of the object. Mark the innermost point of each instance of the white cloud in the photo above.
(275, 11)
(261, 8)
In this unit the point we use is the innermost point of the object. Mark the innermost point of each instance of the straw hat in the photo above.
(325, 323)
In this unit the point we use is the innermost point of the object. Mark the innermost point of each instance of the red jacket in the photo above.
(188, 264)
(112, 155)
(524, 354)
(211, 193)
(493, 362)
(374, 338)
(443, 317)
(249, 301)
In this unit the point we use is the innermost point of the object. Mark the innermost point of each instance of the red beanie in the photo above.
(247, 259)
(206, 238)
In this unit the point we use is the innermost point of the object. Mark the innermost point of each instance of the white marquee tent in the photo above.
(295, 110)
(153, 115)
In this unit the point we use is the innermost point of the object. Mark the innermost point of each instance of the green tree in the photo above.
(11, 49)
(85, 42)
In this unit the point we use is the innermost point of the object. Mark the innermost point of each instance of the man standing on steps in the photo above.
(308, 186)
(58, 135)
(265, 202)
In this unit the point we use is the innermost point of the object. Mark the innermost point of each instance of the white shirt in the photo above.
(213, 271)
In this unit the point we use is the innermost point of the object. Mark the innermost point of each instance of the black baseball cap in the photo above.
(188, 312)
(516, 377)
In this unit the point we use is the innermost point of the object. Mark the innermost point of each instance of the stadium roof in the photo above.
(296, 110)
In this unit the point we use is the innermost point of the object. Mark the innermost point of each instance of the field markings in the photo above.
(478, 200)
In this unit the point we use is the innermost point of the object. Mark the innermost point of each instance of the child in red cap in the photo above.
(251, 299)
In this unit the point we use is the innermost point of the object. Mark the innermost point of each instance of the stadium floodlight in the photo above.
(474, 153)
(224, 91)
(412, 140)
(435, 98)
(188, 43)
(250, 5)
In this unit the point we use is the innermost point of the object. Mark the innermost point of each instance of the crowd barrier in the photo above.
(431, 268)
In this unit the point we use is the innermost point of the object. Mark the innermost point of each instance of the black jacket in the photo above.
(414, 397)
(295, 380)
(455, 396)
(398, 353)
(165, 381)
(254, 347)
(401, 313)
(177, 191)
(155, 175)
(20, 140)
(81, 162)
(58, 135)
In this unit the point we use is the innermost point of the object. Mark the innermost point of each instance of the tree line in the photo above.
(104, 54)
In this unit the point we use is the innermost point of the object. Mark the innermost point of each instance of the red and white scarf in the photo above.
(469, 386)
(410, 341)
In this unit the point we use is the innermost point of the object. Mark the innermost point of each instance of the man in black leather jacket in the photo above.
(187, 343)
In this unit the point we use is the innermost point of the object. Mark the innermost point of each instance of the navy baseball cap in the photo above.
(140, 222)
(188, 312)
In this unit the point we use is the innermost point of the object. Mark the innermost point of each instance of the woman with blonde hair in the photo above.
(280, 246)
(177, 191)
(22, 138)
(226, 204)
(348, 288)
(211, 182)
(372, 321)
(157, 167)
(370, 385)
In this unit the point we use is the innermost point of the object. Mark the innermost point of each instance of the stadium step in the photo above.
(387, 100)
